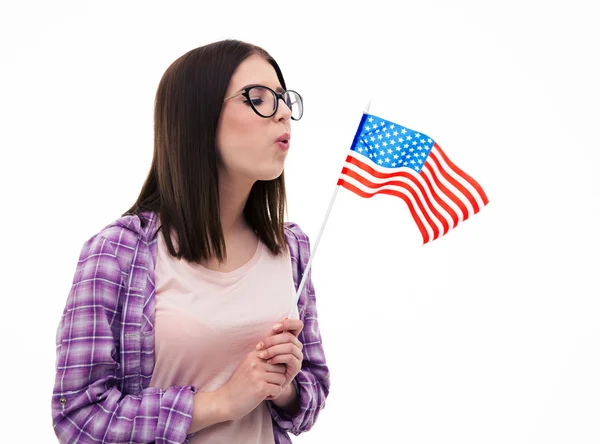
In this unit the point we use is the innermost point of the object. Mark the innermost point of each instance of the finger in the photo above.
(279, 338)
(281, 349)
(294, 326)
(275, 368)
(272, 391)
(290, 361)
(275, 378)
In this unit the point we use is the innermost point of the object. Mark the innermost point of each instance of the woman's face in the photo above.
(247, 142)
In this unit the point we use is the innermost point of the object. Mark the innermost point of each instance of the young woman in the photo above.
(181, 324)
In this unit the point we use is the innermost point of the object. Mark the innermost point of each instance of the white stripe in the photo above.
(460, 180)
(441, 193)
(364, 188)
(418, 178)
(445, 215)
(451, 187)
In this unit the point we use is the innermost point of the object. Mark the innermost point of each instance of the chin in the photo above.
(271, 173)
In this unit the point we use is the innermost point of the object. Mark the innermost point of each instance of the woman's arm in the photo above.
(313, 381)
(88, 404)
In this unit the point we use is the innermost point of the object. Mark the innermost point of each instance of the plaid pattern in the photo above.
(105, 347)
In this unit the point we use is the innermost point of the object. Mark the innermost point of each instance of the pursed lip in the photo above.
(283, 138)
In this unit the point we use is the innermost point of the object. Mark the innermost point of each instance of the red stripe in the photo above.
(464, 175)
(413, 180)
(453, 197)
(438, 199)
(453, 181)
(405, 198)
(456, 183)
(411, 190)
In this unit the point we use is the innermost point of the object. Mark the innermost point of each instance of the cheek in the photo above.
(240, 138)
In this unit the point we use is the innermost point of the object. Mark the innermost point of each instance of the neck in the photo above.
(233, 195)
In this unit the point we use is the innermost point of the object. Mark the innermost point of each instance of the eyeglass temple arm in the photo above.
(235, 95)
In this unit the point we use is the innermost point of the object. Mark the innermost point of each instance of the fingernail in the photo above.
(277, 326)
(260, 345)
(263, 354)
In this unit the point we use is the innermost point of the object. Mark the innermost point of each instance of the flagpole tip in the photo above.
(366, 111)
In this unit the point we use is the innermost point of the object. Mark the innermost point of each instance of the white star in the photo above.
(380, 137)
(382, 152)
(392, 126)
(405, 163)
(411, 150)
(409, 156)
(360, 150)
(401, 140)
(408, 138)
(387, 134)
(396, 156)
(370, 119)
(376, 145)
(403, 131)
(384, 144)
(387, 159)
(398, 148)
(380, 161)
(389, 151)
(420, 161)
(394, 164)
(392, 142)
(395, 133)
(406, 145)
(417, 168)
(371, 156)
(372, 139)
(367, 127)
(374, 153)
(423, 154)
(374, 125)
(428, 140)
(417, 135)
(412, 161)
(403, 153)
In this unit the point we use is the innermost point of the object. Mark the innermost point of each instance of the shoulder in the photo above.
(298, 242)
(121, 237)
(293, 230)
(129, 229)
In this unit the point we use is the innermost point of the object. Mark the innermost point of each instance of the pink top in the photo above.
(206, 323)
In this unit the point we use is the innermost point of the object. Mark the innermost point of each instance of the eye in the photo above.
(255, 102)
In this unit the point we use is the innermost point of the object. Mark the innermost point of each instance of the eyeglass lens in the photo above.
(264, 101)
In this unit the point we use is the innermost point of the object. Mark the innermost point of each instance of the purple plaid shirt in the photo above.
(105, 347)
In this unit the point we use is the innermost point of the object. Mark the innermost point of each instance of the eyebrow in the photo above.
(279, 89)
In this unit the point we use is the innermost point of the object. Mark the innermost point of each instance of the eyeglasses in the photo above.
(264, 101)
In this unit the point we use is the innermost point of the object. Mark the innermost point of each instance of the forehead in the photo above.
(254, 71)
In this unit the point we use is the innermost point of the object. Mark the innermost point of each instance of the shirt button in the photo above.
(63, 401)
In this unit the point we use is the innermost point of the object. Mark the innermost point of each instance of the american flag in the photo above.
(387, 158)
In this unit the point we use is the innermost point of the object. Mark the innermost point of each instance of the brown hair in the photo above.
(182, 186)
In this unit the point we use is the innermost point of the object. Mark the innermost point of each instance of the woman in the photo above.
(181, 324)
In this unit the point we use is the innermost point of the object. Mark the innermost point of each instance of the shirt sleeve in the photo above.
(313, 381)
(88, 405)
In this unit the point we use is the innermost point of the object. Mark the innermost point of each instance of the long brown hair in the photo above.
(182, 186)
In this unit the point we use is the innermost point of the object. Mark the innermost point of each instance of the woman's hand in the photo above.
(253, 381)
(282, 348)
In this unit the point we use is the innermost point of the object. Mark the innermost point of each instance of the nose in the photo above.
(284, 113)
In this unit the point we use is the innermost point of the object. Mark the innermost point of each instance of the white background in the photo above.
(488, 335)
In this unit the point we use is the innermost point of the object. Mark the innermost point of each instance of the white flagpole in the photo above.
(314, 249)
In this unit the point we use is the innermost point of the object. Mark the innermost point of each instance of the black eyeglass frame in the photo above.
(246, 93)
